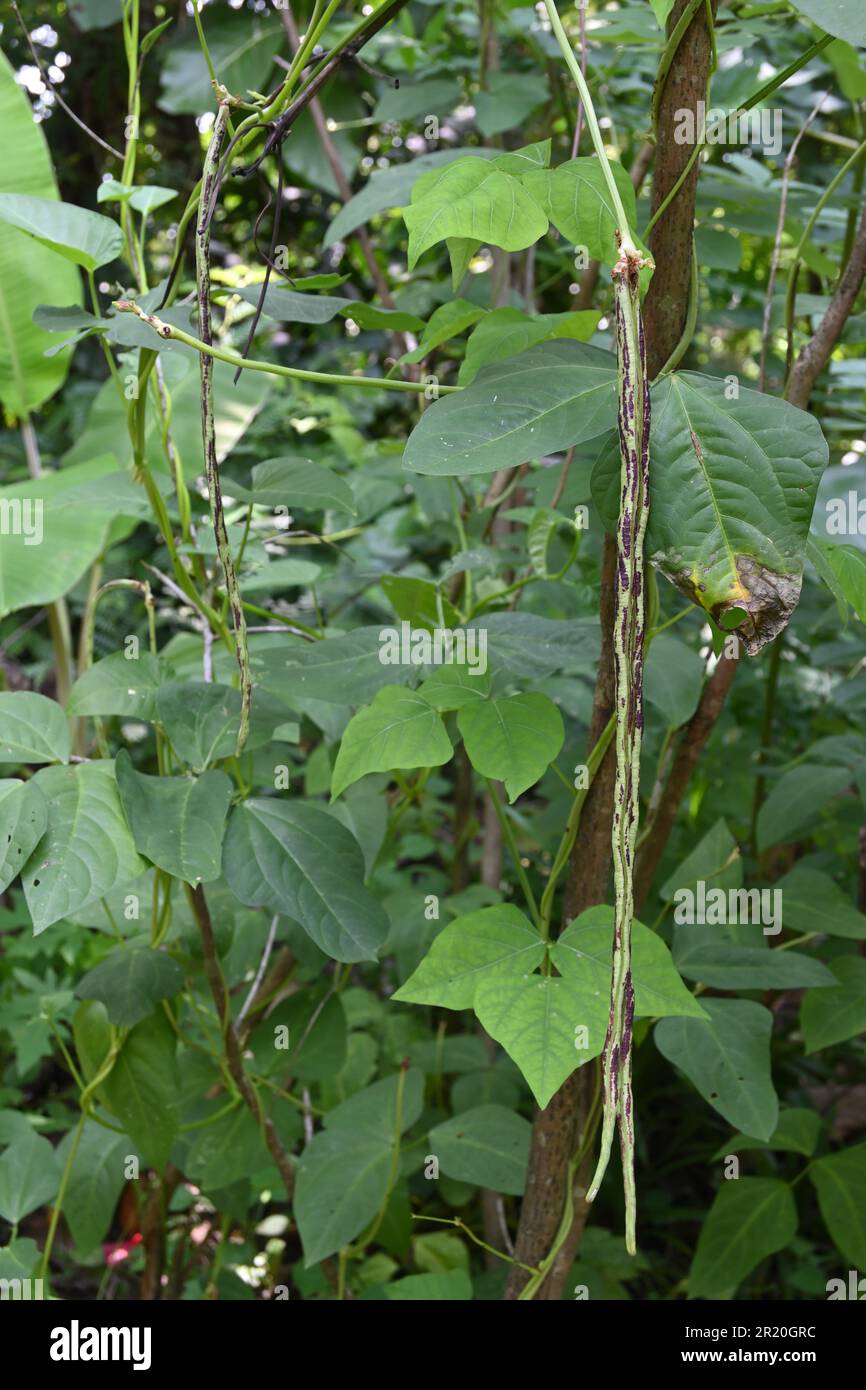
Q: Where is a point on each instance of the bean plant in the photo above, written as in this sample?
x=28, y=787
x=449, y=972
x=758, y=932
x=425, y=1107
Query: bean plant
x=382, y=386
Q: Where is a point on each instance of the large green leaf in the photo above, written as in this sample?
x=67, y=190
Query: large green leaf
x=715, y=858
x=585, y=951
x=225, y=1151
x=293, y=482
x=843, y=18
x=344, y=670
x=513, y=740
x=86, y=238
x=472, y=199
x=708, y=954
x=487, y=1146
x=29, y=1176
x=557, y=394
x=840, y=1179
x=506, y=332
x=750, y=1219
x=295, y=859
x=537, y=1018
x=177, y=822
x=812, y=902
x=242, y=49
x=575, y=197
x=23, y=818
x=343, y=1173
x=235, y=407
x=142, y=1088
x=131, y=982
x=507, y=99
x=29, y=274
x=829, y=1016
x=399, y=730
x=117, y=684
x=727, y=1059
x=674, y=678
x=495, y=940
x=793, y=801
x=391, y=188
x=847, y=567
x=315, y=1035
x=734, y=485
x=34, y=729
x=87, y=848
x=96, y=1180
x=70, y=531
x=797, y=1132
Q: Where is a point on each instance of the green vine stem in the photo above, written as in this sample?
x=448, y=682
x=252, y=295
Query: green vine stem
x=234, y=359
x=202, y=267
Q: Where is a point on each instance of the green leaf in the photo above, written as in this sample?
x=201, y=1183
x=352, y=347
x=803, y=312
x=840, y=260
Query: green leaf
x=708, y=954
x=23, y=819
x=314, y=1021
x=34, y=728
x=226, y=1151
x=585, y=952
x=29, y=1176
x=455, y=1286
x=87, y=848
x=506, y=332
x=242, y=49
x=131, y=982
x=452, y=687
x=674, y=679
x=96, y=1181
x=843, y=18
x=472, y=199
x=557, y=394
x=142, y=1088
x=830, y=1016
x=848, y=566
x=28, y=273
x=436, y=94
x=48, y=521
x=92, y=1033
x=733, y=492
x=536, y=1019
x=117, y=685
x=399, y=730
x=495, y=940
x=390, y=188
x=507, y=99
x=576, y=198
x=295, y=859
x=448, y=321
x=418, y=602
x=177, y=822
x=812, y=902
x=487, y=1146
x=793, y=801
x=201, y=719
x=288, y=306
x=86, y=238
x=341, y=1185
x=797, y=1132
x=513, y=740
x=727, y=1059
x=839, y=1181
x=715, y=860
x=750, y=1219
x=338, y=670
